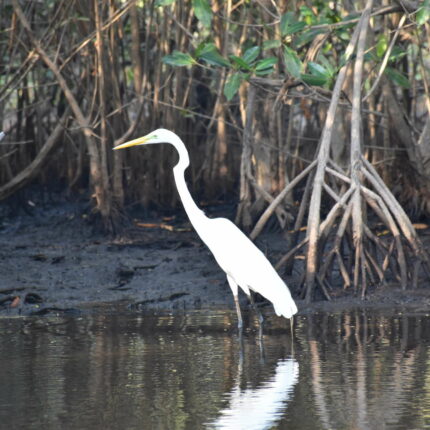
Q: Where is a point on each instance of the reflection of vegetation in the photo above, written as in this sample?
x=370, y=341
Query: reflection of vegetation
x=379, y=380
x=357, y=370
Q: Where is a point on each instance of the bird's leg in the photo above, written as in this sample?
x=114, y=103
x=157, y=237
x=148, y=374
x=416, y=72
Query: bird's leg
x=260, y=327
x=257, y=311
x=239, y=313
x=235, y=290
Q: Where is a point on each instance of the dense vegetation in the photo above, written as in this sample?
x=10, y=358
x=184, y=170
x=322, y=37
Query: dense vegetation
x=323, y=103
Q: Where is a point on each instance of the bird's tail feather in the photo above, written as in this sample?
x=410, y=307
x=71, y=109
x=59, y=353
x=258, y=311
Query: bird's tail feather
x=285, y=306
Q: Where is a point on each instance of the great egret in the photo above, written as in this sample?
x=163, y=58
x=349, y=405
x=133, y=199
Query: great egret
x=244, y=264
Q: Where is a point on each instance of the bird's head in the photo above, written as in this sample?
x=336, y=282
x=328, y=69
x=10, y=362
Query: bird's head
x=160, y=135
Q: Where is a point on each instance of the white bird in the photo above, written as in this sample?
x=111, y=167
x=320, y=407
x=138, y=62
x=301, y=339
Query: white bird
x=244, y=264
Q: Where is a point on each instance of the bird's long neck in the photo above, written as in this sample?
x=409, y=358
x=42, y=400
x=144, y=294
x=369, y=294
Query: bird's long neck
x=194, y=213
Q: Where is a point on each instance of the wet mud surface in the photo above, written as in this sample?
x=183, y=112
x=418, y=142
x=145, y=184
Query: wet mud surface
x=52, y=261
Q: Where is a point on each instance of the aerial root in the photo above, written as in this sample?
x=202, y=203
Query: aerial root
x=370, y=258
x=356, y=233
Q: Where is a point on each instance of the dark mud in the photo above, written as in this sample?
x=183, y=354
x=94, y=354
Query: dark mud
x=51, y=261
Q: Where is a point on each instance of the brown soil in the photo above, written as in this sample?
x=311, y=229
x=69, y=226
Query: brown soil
x=52, y=261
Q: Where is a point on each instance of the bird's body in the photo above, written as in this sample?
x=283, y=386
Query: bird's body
x=244, y=264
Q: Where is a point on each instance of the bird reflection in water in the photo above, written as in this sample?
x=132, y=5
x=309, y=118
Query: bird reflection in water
x=259, y=408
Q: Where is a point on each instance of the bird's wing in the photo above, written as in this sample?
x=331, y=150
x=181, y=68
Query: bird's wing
x=246, y=264
x=237, y=255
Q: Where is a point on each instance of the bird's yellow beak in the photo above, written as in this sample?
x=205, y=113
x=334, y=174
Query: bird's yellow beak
x=138, y=141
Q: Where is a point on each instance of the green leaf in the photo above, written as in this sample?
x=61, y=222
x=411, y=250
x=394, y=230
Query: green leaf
x=209, y=53
x=313, y=80
x=204, y=48
x=343, y=35
x=178, y=58
x=129, y=73
x=307, y=36
x=286, y=19
x=232, y=85
x=292, y=62
x=397, y=77
x=328, y=66
x=381, y=45
x=266, y=63
x=423, y=13
x=161, y=3
x=203, y=12
x=271, y=44
x=397, y=53
x=251, y=54
x=240, y=62
x=290, y=25
x=265, y=72
x=296, y=27
x=318, y=70
x=307, y=15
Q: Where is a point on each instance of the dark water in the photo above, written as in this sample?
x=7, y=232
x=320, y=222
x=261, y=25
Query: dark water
x=358, y=370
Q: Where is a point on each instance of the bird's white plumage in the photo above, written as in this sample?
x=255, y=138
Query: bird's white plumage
x=244, y=264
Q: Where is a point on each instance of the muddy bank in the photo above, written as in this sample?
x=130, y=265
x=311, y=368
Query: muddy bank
x=52, y=261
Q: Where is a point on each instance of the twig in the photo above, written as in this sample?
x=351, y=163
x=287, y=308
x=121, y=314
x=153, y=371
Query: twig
x=386, y=58
x=271, y=208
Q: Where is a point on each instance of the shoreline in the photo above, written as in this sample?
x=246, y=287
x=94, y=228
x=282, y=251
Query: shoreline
x=53, y=260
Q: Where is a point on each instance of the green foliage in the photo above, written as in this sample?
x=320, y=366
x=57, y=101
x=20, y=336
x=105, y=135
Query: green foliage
x=343, y=34
x=161, y=3
x=247, y=63
x=397, y=77
x=307, y=36
x=251, y=54
x=178, y=59
x=203, y=12
x=381, y=45
x=290, y=25
x=331, y=71
x=423, y=13
x=209, y=53
x=318, y=70
x=232, y=85
x=307, y=15
x=289, y=41
x=271, y=44
x=397, y=53
x=265, y=66
x=292, y=62
x=313, y=79
x=240, y=63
